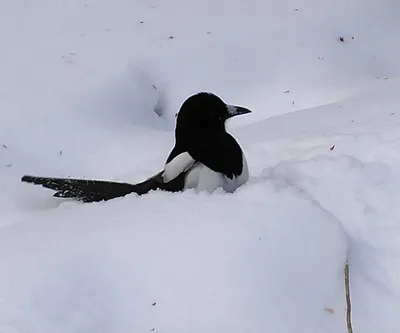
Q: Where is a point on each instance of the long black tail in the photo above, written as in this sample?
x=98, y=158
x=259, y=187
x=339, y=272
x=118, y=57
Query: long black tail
x=102, y=190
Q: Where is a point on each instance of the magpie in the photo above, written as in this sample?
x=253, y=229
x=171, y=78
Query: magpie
x=209, y=156
x=205, y=157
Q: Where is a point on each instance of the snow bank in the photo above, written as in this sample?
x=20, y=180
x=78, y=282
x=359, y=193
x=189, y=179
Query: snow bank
x=79, y=85
x=221, y=262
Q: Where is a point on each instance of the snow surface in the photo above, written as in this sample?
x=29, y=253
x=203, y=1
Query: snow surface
x=78, y=86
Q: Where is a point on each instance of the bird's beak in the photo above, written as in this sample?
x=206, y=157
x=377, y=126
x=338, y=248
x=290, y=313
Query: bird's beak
x=234, y=110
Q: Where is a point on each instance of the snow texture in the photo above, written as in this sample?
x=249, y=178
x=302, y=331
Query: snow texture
x=90, y=89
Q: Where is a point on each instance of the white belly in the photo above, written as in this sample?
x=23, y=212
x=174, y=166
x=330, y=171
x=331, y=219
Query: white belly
x=202, y=178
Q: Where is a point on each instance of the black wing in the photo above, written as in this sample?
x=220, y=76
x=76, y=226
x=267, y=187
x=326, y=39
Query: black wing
x=220, y=153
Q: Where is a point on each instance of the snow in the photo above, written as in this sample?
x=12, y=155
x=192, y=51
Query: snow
x=79, y=84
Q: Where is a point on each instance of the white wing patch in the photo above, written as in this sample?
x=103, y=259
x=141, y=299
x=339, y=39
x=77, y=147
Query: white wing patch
x=179, y=164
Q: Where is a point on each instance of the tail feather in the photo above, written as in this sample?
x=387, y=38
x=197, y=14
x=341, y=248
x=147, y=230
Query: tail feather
x=101, y=190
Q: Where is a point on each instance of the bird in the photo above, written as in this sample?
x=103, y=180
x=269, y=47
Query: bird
x=204, y=150
x=205, y=157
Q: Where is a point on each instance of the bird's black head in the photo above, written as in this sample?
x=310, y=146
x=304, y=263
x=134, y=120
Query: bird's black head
x=205, y=112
